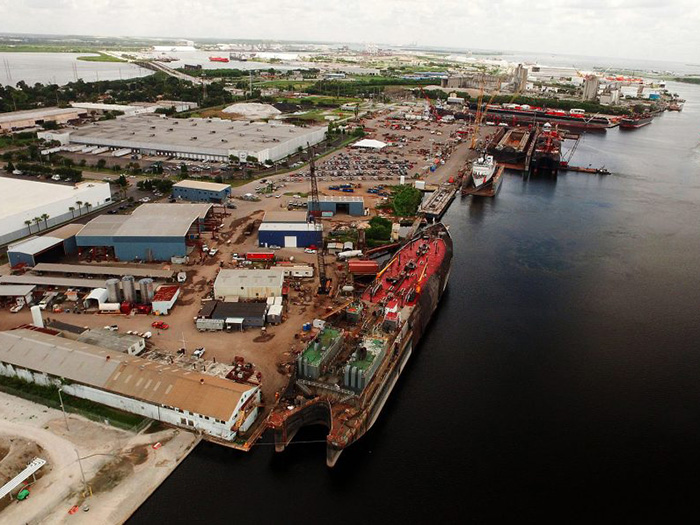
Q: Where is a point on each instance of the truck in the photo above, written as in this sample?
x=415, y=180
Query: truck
x=209, y=325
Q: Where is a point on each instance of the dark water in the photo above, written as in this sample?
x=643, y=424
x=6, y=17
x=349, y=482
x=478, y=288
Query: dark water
x=560, y=377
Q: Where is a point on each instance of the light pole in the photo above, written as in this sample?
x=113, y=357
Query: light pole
x=82, y=473
x=60, y=397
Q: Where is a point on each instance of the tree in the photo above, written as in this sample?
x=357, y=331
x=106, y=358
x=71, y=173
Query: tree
x=10, y=167
x=379, y=229
x=406, y=200
x=183, y=170
x=45, y=216
x=80, y=206
x=121, y=181
x=88, y=206
x=37, y=220
x=71, y=209
x=101, y=164
x=29, y=225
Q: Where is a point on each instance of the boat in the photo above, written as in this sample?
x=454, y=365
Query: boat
x=516, y=114
x=546, y=155
x=218, y=59
x=636, y=121
x=676, y=105
x=347, y=371
x=482, y=171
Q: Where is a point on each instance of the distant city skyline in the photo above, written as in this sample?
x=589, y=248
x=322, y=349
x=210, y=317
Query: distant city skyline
x=634, y=29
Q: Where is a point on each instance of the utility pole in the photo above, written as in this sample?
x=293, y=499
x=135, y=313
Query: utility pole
x=60, y=397
x=82, y=472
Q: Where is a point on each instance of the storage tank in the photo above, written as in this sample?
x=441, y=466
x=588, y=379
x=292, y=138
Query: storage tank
x=129, y=288
x=113, y=292
x=147, y=290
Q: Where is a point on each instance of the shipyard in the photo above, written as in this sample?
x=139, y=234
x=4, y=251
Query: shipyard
x=212, y=257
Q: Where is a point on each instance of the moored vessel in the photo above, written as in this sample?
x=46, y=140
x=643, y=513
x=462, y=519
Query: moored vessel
x=347, y=372
x=636, y=121
x=218, y=59
x=546, y=155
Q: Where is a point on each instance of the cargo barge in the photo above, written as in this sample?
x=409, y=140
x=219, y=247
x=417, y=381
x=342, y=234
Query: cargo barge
x=347, y=372
x=636, y=121
x=437, y=203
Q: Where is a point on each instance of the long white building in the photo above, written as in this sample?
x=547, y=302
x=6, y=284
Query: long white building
x=194, y=138
x=219, y=408
x=24, y=200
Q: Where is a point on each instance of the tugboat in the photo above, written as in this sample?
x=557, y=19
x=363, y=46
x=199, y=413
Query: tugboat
x=546, y=156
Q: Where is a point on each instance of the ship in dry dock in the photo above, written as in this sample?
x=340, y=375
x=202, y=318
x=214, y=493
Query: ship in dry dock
x=546, y=155
x=347, y=372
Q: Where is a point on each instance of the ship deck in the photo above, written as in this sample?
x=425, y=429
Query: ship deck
x=410, y=267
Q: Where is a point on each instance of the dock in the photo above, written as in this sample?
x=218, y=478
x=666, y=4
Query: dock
x=437, y=203
x=488, y=190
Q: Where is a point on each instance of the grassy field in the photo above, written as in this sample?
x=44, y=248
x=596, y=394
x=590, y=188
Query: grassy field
x=101, y=57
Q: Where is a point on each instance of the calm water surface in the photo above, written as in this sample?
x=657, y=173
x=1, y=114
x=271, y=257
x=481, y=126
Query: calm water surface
x=560, y=377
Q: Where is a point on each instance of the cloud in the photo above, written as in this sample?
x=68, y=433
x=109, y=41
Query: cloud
x=644, y=29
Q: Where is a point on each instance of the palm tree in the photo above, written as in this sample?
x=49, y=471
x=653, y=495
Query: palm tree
x=37, y=220
x=29, y=225
x=71, y=209
x=80, y=204
x=87, y=207
x=45, y=216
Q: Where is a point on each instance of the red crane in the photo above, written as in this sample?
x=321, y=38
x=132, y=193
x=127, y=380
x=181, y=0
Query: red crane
x=433, y=109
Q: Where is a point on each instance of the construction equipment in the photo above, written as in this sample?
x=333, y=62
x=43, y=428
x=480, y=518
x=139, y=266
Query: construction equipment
x=314, y=216
x=433, y=110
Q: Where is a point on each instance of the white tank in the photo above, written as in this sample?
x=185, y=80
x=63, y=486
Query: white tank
x=113, y=292
x=147, y=290
x=129, y=288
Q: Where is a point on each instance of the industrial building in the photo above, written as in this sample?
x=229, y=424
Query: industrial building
x=238, y=316
x=199, y=191
x=30, y=118
x=153, y=232
x=196, y=138
x=339, y=204
x=17, y=293
x=126, y=343
x=591, y=84
x=248, y=284
x=289, y=230
x=44, y=248
x=136, y=108
x=219, y=408
x=23, y=204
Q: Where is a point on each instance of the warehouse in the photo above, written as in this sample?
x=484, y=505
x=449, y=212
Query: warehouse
x=50, y=247
x=238, y=316
x=17, y=293
x=248, y=284
x=24, y=203
x=16, y=120
x=126, y=343
x=290, y=235
x=219, y=408
x=198, y=138
x=339, y=204
x=102, y=271
x=198, y=191
x=164, y=299
x=153, y=232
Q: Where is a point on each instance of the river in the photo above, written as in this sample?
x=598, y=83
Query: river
x=559, y=377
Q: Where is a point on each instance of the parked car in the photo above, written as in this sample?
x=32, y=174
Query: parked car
x=112, y=328
x=16, y=308
x=213, y=251
x=198, y=352
x=160, y=325
x=309, y=250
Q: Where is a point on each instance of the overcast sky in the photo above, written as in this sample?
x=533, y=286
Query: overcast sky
x=639, y=29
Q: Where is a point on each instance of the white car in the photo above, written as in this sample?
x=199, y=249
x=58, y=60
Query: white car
x=147, y=335
x=309, y=250
x=112, y=328
x=213, y=251
x=16, y=308
x=199, y=352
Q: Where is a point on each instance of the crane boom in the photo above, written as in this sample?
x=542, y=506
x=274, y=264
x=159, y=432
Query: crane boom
x=314, y=216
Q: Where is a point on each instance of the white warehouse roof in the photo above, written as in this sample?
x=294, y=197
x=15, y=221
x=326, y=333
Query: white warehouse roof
x=201, y=185
x=370, y=143
x=290, y=226
x=16, y=290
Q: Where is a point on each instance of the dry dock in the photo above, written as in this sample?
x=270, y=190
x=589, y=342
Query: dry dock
x=488, y=190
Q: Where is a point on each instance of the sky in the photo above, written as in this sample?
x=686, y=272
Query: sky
x=636, y=29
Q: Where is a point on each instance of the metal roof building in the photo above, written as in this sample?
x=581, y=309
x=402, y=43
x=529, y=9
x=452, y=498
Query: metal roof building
x=290, y=234
x=153, y=232
x=61, y=282
x=48, y=247
x=199, y=138
x=164, y=392
x=200, y=191
x=335, y=204
x=129, y=344
x=248, y=284
x=33, y=117
x=103, y=271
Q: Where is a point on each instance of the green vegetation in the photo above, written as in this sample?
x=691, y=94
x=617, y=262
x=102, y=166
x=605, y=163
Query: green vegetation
x=687, y=80
x=405, y=200
x=379, y=231
x=144, y=89
x=49, y=396
x=17, y=140
x=161, y=185
x=101, y=57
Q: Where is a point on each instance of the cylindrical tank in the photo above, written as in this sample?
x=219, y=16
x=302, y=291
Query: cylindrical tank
x=129, y=288
x=147, y=290
x=113, y=293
